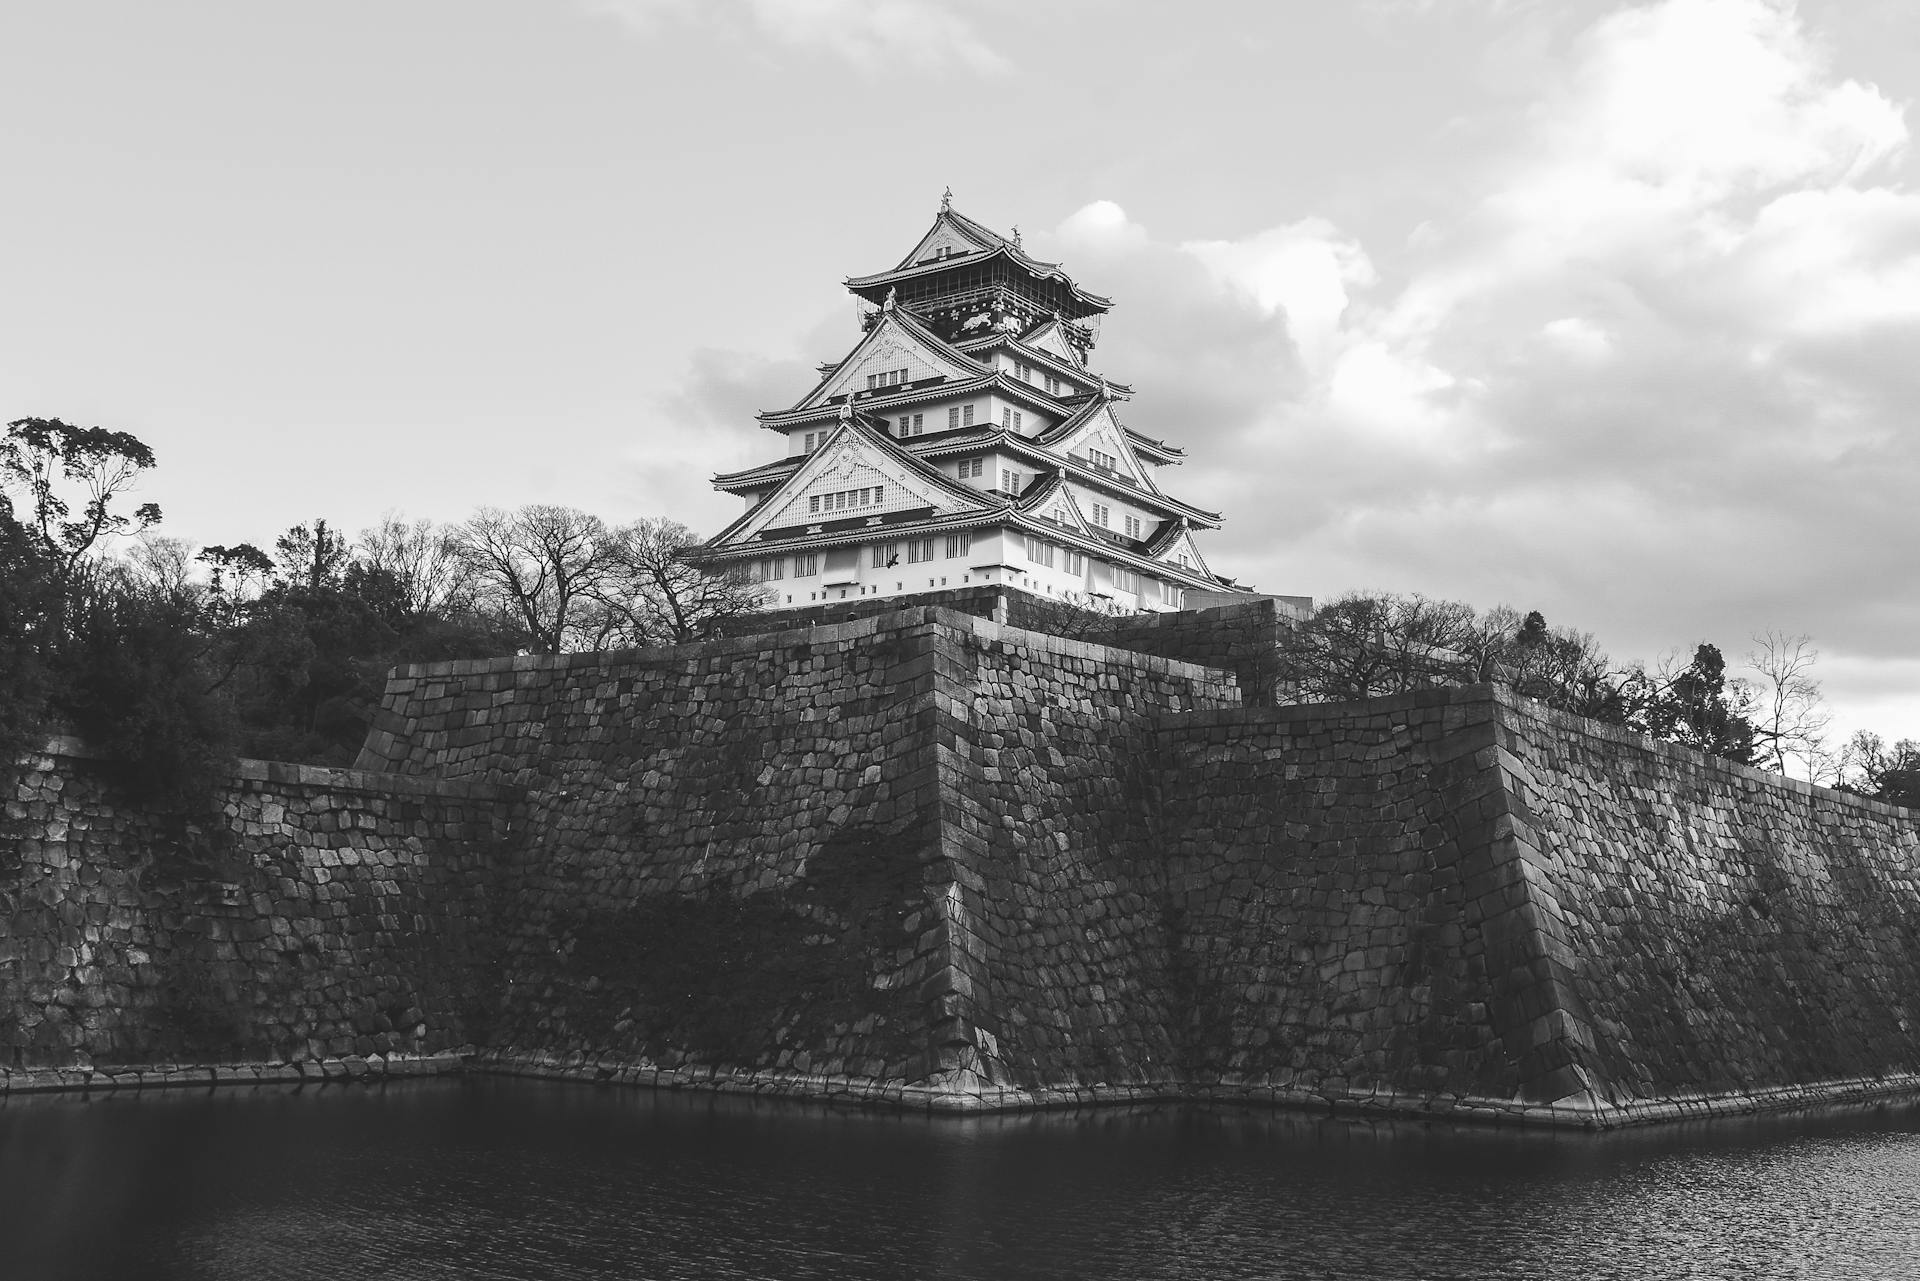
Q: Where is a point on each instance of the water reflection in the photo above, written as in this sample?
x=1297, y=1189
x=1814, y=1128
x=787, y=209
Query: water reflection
x=492, y=1178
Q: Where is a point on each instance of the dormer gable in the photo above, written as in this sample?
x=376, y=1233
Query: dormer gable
x=1174, y=546
x=897, y=351
x=948, y=237
x=1096, y=438
x=1052, y=500
x=1051, y=337
x=856, y=473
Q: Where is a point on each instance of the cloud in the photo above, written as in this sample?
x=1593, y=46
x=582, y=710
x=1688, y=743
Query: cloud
x=703, y=426
x=1654, y=376
x=878, y=36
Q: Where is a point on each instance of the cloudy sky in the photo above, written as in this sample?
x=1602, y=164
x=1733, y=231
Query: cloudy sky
x=1606, y=309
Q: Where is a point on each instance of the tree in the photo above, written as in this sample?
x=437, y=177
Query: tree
x=27, y=610
x=1890, y=774
x=423, y=560
x=1557, y=666
x=1696, y=706
x=652, y=596
x=311, y=557
x=1361, y=645
x=1789, y=716
x=549, y=566
x=53, y=466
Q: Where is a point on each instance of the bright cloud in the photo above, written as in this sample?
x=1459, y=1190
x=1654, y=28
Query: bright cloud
x=876, y=35
x=1659, y=369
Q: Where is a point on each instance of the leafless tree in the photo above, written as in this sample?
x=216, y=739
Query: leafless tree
x=1364, y=644
x=422, y=560
x=1788, y=714
x=546, y=565
x=163, y=567
x=653, y=596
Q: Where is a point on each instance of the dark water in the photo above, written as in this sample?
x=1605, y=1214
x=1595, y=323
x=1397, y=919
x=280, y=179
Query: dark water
x=495, y=1178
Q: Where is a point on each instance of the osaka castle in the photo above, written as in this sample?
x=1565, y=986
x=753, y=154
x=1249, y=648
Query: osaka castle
x=966, y=440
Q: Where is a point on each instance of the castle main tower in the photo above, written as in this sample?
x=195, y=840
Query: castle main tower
x=965, y=440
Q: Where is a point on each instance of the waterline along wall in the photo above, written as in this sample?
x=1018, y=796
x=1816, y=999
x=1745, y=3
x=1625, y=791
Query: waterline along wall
x=929, y=859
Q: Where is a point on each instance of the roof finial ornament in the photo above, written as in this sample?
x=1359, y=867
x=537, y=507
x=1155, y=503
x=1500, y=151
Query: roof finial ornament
x=1104, y=394
x=888, y=304
x=846, y=407
x=946, y=201
x=1016, y=235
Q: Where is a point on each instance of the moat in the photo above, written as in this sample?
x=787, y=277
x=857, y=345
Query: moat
x=495, y=1178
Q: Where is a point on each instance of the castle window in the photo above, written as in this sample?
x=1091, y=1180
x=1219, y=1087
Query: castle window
x=842, y=499
x=1040, y=551
x=807, y=444
x=1101, y=458
x=1054, y=385
x=1133, y=527
x=1012, y=481
x=1125, y=580
x=918, y=550
x=1023, y=371
x=806, y=565
x=968, y=468
x=1010, y=418
x=1076, y=563
x=1102, y=516
x=885, y=555
x=776, y=569
x=953, y=417
x=959, y=544
x=919, y=424
x=904, y=421
x=966, y=415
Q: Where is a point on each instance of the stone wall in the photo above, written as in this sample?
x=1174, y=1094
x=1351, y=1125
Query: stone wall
x=778, y=856
x=334, y=915
x=931, y=860
x=1460, y=901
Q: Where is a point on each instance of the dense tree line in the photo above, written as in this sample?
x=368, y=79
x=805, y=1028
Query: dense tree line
x=1366, y=644
x=175, y=658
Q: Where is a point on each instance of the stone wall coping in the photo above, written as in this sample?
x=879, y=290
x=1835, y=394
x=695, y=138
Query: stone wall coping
x=1504, y=696
x=825, y=633
x=288, y=774
x=1094, y=648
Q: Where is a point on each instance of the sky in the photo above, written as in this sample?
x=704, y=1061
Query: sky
x=1609, y=310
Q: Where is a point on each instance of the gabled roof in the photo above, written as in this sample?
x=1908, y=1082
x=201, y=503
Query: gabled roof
x=976, y=243
x=1095, y=422
x=1050, y=338
x=1175, y=537
x=896, y=326
x=1052, y=495
x=855, y=445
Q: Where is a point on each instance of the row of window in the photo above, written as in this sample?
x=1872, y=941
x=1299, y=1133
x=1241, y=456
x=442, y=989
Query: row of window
x=845, y=499
x=773, y=569
x=920, y=550
x=917, y=551
x=1055, y=387
x=1101, y=458
x=1051, y=555
x=912, y=425
x=884, y=556
x=891, y=378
